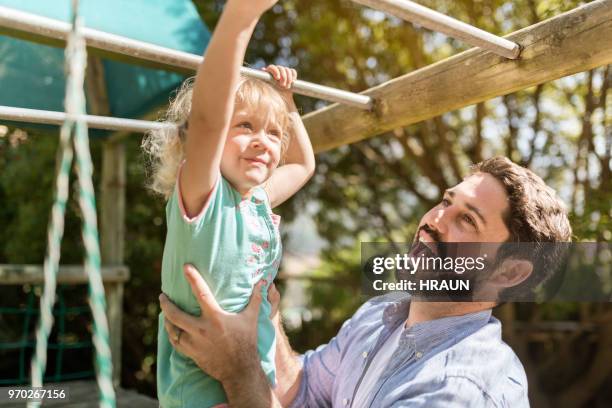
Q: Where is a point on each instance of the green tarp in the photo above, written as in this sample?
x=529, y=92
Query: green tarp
x=32, y=75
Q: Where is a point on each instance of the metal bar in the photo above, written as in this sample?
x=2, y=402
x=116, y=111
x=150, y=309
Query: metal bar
x=12, y=274
x=317, y=91
x=95, y=122
x=442, y=23
x=31, y=23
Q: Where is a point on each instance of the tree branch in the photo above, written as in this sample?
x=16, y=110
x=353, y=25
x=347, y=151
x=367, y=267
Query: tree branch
x=536, y=125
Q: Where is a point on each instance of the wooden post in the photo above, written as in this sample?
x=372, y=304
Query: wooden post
x=112, y=229
x=112, y=209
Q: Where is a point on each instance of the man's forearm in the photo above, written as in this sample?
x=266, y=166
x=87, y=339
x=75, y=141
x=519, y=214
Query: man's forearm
x=250, y=390
x=288, y=367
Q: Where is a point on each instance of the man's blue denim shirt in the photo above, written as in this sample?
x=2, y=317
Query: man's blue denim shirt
x=458, y=361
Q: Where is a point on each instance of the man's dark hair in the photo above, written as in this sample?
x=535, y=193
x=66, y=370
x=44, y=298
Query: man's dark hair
x=536, y=216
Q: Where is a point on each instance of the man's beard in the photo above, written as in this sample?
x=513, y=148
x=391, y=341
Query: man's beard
x=435, y=254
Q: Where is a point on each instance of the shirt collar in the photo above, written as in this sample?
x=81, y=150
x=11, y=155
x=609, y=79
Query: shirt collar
x=257, y=196
x=425, y=336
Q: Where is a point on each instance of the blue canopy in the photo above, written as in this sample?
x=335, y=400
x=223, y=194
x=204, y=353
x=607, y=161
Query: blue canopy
x=32, y=75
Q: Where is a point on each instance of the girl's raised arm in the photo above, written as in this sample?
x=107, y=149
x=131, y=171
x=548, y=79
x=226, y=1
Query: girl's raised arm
x=299, y=164
x=213, y=99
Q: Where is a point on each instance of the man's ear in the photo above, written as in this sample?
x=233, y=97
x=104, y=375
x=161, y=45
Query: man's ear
x=511, y=272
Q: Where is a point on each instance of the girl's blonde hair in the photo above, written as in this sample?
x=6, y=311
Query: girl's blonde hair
x=164, y=148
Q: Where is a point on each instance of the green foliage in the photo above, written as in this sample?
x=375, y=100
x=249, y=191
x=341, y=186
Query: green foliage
x=145, y=235
x=335, y=293
x=26, y=188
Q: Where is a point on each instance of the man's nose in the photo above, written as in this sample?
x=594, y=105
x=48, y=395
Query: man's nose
x=441, y=219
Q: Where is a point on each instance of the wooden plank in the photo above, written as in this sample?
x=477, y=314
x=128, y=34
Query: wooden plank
x=576, y=41
x=112, y=215
x=68, y=274
x=112, y=203
x=114, y=314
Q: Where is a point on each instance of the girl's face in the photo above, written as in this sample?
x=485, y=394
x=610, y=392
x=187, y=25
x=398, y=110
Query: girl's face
x=252, y=148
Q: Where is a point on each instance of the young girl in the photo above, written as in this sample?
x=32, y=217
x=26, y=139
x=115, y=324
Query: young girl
x=219, y=173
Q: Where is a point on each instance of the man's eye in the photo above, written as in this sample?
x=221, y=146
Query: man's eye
x=469, y=220
x=245, y=125
x=275, y=133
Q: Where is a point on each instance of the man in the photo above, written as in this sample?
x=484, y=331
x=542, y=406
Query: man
x=394, y=352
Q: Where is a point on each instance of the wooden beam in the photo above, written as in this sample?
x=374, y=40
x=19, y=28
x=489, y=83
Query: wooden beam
x=576, y=41
x=68, y=274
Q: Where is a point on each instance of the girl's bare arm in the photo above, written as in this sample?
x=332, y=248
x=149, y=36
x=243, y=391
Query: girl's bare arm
x=213, y=99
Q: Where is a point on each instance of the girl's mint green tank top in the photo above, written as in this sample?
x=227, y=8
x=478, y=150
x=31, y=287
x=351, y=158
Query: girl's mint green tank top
x=234, y=243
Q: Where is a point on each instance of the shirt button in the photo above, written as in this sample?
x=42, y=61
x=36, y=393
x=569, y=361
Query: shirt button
x=364, y=354
x=419, y=354
x=345, y=401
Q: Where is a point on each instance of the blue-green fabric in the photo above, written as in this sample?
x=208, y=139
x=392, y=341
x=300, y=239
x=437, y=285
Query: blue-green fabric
x=234, y=243
x=32, y=75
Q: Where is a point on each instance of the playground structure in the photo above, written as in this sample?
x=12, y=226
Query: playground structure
x=572, y=42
